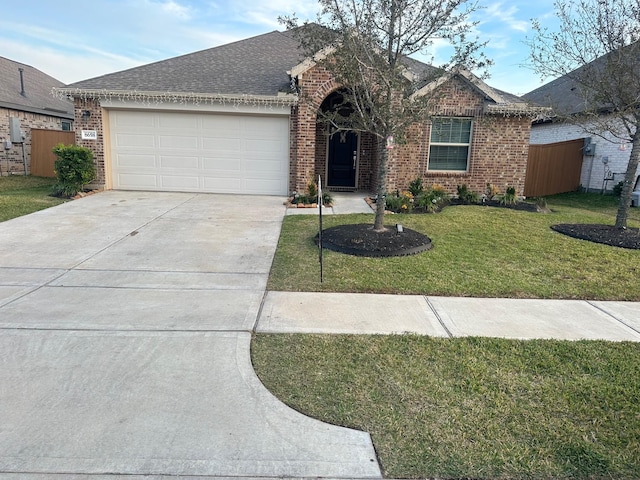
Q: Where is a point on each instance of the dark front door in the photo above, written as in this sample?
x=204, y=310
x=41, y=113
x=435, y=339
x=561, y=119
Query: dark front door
x=343, y=158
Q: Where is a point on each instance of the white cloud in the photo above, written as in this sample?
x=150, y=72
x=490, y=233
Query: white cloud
x=267, y=13
x=183, y=12
x=506, y=15
x=68, y=67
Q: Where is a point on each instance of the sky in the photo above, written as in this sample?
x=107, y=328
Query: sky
x=73, y=40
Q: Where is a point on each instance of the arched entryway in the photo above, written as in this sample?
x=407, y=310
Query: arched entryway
x=342, y=145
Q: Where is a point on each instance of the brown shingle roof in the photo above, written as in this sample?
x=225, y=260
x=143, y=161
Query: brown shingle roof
x=37, y=96
x=255, y=66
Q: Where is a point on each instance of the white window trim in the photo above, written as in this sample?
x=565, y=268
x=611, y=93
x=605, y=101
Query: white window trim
x=439, y=144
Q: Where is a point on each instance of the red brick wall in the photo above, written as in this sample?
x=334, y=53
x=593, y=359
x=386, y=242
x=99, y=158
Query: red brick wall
x=94, y=122
x=12, y=161
x=499, y=146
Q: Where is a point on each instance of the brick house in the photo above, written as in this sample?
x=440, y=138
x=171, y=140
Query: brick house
x=242, y=118
x=26, y=103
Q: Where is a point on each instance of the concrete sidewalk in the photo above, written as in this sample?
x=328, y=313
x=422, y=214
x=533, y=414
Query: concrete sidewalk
x=354, y=313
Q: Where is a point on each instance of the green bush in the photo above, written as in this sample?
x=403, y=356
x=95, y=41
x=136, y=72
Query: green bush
x=466, y=195
x=432, y=200
x=327, y=199
x=492, y=191
x=617, y=189
x=74, y=169
x=509, y=197
x=311, y=195
x=399, y=202
x=415, y=187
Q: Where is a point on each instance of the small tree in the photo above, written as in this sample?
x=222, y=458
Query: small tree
x=74, y=169
x=597, y=48
x=365, y=45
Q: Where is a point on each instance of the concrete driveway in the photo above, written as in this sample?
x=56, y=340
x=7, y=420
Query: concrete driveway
x=125, y=327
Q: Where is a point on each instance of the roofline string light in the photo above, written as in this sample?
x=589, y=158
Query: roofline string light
x=159, y=98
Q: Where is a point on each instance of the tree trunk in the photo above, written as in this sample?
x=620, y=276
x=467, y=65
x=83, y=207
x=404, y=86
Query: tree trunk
x=378, y=224
x=629, y=181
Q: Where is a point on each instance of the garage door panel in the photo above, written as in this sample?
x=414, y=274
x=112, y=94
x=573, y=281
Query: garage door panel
x=125, y=140
x=222, y=144
x=158, y=150
x=179, y=182
x=222, y=185
x=135, y=161
x=178, y=141
x=134, y=120
x=256, y=186
x=222, y=164
x=138, y=181
x=263, y=167
x=179, y=163
x=263, y=125
x=267, y=146
x=228, y=125
x=178, y=121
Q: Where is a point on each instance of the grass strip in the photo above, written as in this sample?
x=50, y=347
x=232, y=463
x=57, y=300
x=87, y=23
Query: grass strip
x=469, y=407
x=20, y=195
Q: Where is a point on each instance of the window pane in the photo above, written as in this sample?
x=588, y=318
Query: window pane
x=448, y=157
x=451, y=130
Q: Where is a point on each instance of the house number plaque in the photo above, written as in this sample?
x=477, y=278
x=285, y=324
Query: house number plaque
x=89, y=135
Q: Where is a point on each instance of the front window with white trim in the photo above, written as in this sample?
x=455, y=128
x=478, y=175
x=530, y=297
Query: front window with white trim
x=450, y=144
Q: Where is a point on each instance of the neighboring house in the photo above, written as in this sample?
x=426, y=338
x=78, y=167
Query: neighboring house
x=605, y=160
x=26, y=103
x=242, y=118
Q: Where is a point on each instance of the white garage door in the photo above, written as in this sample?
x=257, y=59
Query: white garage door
x=198, y=152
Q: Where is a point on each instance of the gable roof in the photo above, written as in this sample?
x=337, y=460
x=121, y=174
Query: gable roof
x=255, y=66
x=259, y=67
x=561, y=94
x=497, y=101
x=37, y=96
x=564, y=93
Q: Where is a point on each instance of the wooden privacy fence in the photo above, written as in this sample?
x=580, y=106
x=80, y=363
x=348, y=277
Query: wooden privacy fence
x=42, y=141
x=553, y=168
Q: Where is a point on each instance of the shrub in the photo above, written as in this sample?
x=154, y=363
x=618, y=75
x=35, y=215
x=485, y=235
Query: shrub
x=400, y=202
x=432, y=201
x=509, y=197
x=617, y=189
x=466, y=195
x=439, y=190
x=415, y=187
x=311, y=195
x=74, y=169
x=312, y=190
x=492, y=191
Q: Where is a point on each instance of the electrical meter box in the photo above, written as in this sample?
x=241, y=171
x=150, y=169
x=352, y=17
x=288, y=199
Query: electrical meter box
x=589, y=148
x=15, y=133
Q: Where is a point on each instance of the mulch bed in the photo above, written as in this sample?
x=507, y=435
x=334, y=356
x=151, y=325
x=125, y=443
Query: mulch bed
x=361, y=240
x=605, y=234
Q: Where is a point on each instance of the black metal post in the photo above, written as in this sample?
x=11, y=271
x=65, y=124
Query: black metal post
x=320, y=224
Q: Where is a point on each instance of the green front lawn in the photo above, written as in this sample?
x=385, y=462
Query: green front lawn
x=469, y=407
x=478, y=251
x=20, y=195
